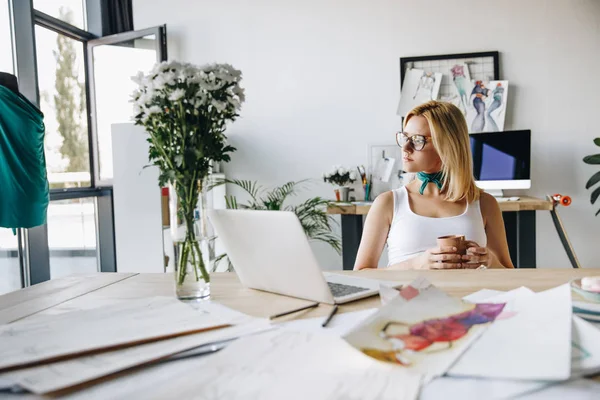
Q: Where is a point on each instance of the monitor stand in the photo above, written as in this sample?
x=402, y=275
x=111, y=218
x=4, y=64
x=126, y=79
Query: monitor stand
x=496, y=192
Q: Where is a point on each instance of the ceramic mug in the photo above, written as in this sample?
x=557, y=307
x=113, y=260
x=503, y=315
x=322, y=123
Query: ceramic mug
x=457, y=241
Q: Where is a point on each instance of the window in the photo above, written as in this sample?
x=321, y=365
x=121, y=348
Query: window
x=6, y=50
x=113, y=88
x=10, y=266
x=62, y=88
x=70, y=11
x=72, y=237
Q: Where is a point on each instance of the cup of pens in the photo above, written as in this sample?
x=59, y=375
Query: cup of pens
x=366, y=183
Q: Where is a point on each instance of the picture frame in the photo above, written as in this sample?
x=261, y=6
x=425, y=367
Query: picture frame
x=483, y=66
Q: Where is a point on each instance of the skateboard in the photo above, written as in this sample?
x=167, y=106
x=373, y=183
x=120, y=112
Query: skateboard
x=558, y=199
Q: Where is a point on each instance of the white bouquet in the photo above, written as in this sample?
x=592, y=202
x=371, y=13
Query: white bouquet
x=339, y=176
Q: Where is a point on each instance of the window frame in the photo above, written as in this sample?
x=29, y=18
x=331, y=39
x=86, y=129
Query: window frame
x=33, y=243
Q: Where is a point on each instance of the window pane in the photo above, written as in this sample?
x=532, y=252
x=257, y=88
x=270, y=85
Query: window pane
x=72, y=237
x=113, y=87
x=10, y=268
x=6, y=51
x=62, y=100
x=71, y=11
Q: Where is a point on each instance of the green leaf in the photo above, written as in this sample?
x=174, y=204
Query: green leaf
x=250, y=187
x=593, y=159
x=593, y=180
x=595, y=195
x=597, y=141
x=231, y=202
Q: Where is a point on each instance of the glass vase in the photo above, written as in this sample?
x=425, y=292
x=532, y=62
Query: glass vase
x=193, y=239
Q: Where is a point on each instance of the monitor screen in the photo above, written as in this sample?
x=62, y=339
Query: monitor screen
x=501, y=160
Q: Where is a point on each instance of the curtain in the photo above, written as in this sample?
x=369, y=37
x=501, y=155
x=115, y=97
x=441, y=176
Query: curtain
x=118, y=16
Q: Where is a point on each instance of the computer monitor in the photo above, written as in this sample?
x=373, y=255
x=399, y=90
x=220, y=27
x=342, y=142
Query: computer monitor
x=501, y=160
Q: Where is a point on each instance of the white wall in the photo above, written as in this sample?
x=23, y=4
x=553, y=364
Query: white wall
x=322, y=80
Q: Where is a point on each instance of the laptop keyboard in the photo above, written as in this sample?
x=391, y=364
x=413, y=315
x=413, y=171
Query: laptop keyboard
x=340, y=290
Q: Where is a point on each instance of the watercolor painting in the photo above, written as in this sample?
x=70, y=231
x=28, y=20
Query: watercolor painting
x=486, y=109
x=418, y=87
x=422, y=328
x=460, y=86
x=430, y=335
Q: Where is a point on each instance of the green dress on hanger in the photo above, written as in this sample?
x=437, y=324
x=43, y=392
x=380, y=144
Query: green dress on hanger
x=23, y=179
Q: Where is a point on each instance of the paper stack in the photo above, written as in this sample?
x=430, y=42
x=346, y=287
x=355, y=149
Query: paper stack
x=56, y=352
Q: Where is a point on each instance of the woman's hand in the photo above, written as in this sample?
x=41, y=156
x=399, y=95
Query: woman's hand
x=476, y=256
x=439, y=258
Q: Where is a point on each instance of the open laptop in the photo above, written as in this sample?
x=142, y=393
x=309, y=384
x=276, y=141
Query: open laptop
x=269, y=251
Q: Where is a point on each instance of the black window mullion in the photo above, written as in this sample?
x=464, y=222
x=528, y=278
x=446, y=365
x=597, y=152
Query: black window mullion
x=37, y=261
x=105, y=233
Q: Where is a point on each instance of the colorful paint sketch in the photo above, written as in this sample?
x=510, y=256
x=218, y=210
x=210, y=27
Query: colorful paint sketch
x=486, y=109
x=430, y=335
x=423, y=329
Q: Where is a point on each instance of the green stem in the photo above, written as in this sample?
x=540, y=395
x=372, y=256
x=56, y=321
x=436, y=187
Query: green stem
x=203, y=271
x=183, y=262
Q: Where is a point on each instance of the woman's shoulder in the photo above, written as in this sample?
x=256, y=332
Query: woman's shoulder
x=385, y=199
x=383, y=205
x=488, y=203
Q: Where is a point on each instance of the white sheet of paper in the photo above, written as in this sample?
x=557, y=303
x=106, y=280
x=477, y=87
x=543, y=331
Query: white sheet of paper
x=272, y=365
x=477, y=388
x=64, y=374
x=28, y=342
x=418, y=87
x=298, y=365
x=339, y=325
x=585, y=358
x=580, y=389
x=533, y=344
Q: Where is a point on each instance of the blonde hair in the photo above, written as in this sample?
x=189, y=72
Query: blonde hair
x=450, y=137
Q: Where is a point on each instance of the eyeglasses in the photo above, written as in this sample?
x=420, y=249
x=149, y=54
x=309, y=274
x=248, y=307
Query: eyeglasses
x=417, y=141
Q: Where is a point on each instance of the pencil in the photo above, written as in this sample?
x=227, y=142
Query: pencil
x=293, y=311
x=331, y=314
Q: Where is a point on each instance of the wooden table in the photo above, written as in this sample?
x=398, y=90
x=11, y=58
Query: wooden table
x=519, y=221
x=89, y=291
x=82, y=292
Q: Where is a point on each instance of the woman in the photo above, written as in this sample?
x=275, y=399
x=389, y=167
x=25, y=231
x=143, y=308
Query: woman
x=443, y=200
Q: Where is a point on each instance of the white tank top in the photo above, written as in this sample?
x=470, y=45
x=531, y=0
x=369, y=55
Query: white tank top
x=411, y=234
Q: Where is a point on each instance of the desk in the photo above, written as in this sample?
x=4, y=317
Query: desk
x=93, y=290
x=519, y=222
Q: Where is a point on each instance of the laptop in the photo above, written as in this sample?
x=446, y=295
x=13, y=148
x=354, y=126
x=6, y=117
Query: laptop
x=270, y=251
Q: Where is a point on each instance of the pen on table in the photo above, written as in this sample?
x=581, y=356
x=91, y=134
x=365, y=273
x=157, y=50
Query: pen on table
x=293, y=311
x=331, y=314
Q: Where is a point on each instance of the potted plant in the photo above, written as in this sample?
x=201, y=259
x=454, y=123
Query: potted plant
x=185, y=110
x=312, y=213
x=594, y=160
x=340, y=177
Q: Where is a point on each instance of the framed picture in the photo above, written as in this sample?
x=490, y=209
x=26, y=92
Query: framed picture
x=457, y=78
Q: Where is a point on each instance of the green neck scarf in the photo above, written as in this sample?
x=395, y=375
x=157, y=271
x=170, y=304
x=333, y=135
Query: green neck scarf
x=437, y=178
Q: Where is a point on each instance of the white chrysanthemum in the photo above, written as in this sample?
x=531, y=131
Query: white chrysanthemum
x=138, y=78
x=137, y=109
x=177, y=95
x=341, y=170
x=154, y=110
x=219, y=105
x=352, y=175
x=170, y=78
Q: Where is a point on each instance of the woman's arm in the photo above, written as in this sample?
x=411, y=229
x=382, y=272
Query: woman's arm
x=495, y=232
x=375, y=232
